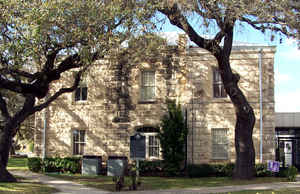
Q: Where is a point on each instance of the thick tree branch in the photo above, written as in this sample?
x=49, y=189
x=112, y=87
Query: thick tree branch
x=177, y=19
x=5, y=71
x=60, y=92
x=3, y=108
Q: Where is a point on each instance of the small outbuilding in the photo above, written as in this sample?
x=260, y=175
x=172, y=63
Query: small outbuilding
x=288, y=138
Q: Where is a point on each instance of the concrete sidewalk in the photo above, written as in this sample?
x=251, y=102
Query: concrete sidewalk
x=68, y=187
x=64, y=187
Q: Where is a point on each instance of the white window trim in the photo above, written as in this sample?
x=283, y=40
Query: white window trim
x=147, y=146
x=141, y=85
x=73, y=143
x=227, y=144
x=87, y=93
x=213, y=84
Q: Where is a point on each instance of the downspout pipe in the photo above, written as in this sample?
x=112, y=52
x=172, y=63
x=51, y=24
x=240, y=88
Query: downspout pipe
x=260, y=105
x=44, y=133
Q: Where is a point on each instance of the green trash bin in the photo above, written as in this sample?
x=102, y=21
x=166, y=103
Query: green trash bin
x=91, y=165
x=117, y=165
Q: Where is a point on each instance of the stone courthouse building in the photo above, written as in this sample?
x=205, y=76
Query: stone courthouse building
x=118, y=98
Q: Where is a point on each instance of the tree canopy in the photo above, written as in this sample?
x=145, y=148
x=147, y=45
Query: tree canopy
x=41, y=39
x=279, y=18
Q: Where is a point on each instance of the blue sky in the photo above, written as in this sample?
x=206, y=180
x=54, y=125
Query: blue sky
x=286, y=65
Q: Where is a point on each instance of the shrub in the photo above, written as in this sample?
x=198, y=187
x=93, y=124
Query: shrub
x=151, y=168
x=64, y=165
x=228, y=169
x=200, y=170
x=34, y=164
x=223, y=170
x=262, y=170
x=291, y=173
x=172, y=139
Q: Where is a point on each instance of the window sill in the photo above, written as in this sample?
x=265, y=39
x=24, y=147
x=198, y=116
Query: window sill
x=147, y=102
x=219, y=159
x=80, y=102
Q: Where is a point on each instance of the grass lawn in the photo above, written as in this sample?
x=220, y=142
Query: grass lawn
x=155, y=183
x=23, y=186
x=280, y=191
x=17, y=164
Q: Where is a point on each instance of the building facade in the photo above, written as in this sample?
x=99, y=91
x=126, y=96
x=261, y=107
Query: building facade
x=119, y=97
x=288, y=138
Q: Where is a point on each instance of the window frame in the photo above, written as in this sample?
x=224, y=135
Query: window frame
x=216, y=144
x=154, y=146
x=144, y=87
x=80, y=88
x=81, y=144
x=218, y=84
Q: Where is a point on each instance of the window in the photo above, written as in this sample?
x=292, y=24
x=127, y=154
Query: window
x=219, y=144
x=152, y=142
x=78, y=142
x=81, y=93
x=218, y=87
x=148, y=85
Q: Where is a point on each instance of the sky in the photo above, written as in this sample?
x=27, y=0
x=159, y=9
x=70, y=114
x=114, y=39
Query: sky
x=286, y=65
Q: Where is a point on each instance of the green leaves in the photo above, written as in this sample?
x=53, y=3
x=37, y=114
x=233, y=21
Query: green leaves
x=173, y=138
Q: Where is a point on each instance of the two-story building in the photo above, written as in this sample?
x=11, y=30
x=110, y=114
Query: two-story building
x=119, y=97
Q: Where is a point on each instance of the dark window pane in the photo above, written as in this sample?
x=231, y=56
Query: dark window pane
x=77, y=94
x=216, y=91
x=84, y=93
x=218, y=87
x=82, y=134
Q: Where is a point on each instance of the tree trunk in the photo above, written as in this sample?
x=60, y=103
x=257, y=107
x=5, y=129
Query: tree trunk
x=245, y=154
x=5, y=144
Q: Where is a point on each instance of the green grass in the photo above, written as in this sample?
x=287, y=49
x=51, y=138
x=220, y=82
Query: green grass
x=280, y=191
x=17, y=164
x=156, y=183
x=23, y=186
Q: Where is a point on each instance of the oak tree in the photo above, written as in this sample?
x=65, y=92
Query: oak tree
x=40, y=40
x=277, y=17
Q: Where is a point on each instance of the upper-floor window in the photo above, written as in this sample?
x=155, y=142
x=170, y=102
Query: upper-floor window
x=147, y=85
x=81, y=93
x=78, y=142
x=219, y=144
x=218, y=87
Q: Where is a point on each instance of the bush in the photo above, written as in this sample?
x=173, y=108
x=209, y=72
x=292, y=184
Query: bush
x=64, y=165
x=34, y=164
x=262, y=170
x=291, y=173
x=200, y=170
x=172, y=139
x=151, y=168
x=228, y=169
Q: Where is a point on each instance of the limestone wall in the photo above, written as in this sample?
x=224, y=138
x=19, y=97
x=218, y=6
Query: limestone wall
x=113, y=110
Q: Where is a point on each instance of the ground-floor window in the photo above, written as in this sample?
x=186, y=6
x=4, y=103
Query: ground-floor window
x=152, y=142
x=78, y=141
x=219, y=143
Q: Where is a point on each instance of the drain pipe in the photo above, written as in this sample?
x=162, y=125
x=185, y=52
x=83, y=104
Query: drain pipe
x=44, y=133
x=260, y=105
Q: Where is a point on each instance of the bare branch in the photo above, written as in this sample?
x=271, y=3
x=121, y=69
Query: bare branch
x=263, y=25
